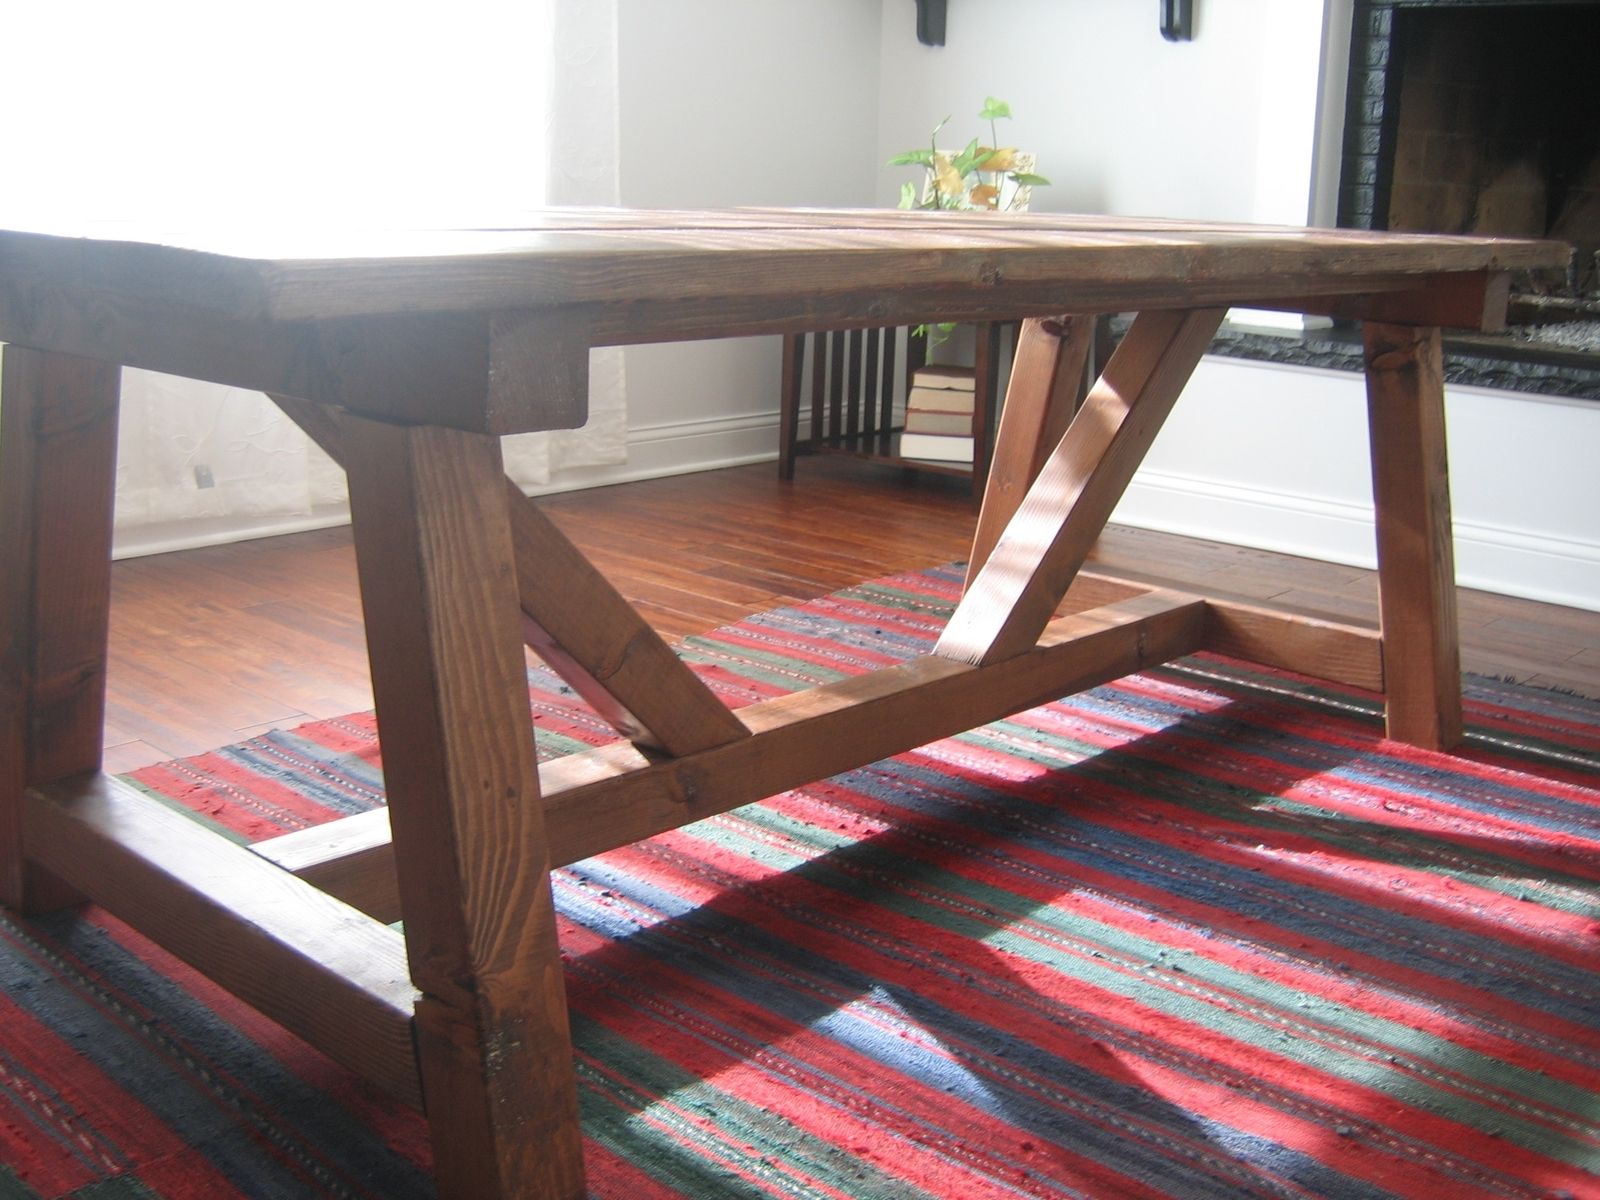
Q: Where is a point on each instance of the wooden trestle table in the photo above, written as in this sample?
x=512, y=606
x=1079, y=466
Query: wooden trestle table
x=406, y=354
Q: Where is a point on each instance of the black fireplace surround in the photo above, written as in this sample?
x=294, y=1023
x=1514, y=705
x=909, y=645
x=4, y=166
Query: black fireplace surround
x=1566, y=113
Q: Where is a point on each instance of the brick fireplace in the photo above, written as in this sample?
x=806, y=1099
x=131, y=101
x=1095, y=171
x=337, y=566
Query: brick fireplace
x=1471, y=116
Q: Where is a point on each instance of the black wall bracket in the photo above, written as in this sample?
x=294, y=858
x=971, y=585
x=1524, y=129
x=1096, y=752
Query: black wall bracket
x=1177, y=20
x=930, y=22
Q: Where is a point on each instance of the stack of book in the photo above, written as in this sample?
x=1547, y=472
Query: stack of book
x=939, y=415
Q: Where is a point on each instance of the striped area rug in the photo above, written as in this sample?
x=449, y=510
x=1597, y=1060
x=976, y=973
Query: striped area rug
x=1198, y=934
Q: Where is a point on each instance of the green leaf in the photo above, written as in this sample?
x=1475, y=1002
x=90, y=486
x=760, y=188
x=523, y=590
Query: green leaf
x=1028, y=180
x=966, y=160
x=908, y=195
x=911, y=158
x=993, y=109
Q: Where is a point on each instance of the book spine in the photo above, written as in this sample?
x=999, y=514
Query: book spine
x=939, y=447
x=960, y=379
x=923, y=420
x=939, y=400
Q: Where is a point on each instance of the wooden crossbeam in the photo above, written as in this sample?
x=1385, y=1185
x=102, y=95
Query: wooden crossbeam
x=1024, y=578
x=613, y=795
x=309, y=961
x=583, y=628
x=1343, y=652
x=1475, y=300
x=351, y=857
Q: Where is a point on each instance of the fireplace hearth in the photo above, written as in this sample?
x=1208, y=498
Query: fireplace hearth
x=1472, y=116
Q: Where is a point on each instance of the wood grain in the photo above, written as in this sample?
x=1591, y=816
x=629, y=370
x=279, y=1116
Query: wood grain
x=351, y=857
x=290, y=602
x=487, y=331
x=592, y=637
x=1055, y=527
x=1475, y=300
x=58, y=444
x=1337, y=650
x=314, y=964
x=580, y=256
x=438, y=583
x=422, y=325
x=1046, y=375
x=1416, y=557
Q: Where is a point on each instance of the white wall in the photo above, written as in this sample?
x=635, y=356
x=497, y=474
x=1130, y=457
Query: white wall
x=1121, y=120
x=1243, y=123
x=723, y=103
x=1276, y=457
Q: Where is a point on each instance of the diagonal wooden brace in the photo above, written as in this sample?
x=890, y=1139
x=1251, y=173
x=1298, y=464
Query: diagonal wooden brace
x=1012, y=597
x=1046, y=373
x=583, y=628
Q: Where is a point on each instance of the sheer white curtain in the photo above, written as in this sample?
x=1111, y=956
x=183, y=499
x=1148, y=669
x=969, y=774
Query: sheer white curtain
x=304, y=112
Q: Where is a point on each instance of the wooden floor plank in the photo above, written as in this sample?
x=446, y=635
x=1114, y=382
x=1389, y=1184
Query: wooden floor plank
x=877, y=521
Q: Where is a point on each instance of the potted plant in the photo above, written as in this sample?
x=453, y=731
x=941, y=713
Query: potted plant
x=985, y=178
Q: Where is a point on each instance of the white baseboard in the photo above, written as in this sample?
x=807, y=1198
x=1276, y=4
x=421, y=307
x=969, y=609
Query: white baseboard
x=673, y=448
x=1514, y=562
x=1509, y=561
x=680, y=448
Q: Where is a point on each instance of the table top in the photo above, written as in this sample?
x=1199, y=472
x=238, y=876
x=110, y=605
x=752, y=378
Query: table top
x=619, y=256
x=414, y=323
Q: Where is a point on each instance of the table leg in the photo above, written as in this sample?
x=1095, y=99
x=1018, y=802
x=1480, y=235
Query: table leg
x=794, y=346
x=1046, y=374
x=986, y=400
x=1416, y=560
x=438, y=585
x=58, y=448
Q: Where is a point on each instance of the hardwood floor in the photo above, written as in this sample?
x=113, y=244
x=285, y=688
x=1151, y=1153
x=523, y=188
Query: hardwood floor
x=211, y=646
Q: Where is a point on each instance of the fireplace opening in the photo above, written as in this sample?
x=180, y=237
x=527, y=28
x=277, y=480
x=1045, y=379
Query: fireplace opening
x=1484, y=118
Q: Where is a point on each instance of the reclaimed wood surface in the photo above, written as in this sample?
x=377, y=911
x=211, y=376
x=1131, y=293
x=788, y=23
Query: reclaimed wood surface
x=579, y=256
x=435, y=325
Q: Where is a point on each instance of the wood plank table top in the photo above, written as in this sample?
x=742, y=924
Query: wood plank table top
x=405, y=353
x=618, y=257
x=430, y=323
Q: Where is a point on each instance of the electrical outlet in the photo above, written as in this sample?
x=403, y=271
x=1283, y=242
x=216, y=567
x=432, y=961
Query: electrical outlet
x=203, y=477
